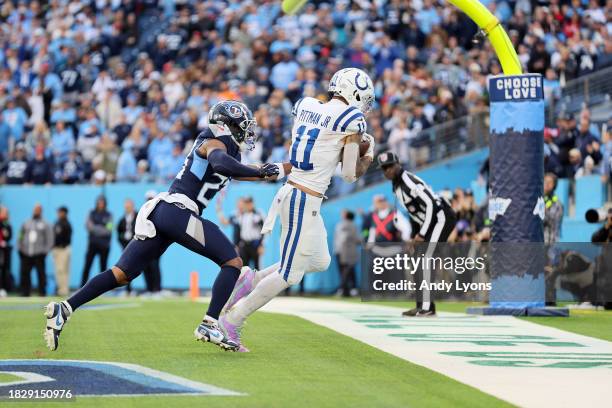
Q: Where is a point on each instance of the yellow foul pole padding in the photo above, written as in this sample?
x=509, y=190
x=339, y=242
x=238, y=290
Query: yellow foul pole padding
x=496, y=33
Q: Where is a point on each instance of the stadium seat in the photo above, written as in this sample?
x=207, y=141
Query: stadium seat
x=590, y=193
x=563, y=194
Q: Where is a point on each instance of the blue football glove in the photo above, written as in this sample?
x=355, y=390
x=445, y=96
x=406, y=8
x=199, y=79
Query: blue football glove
x=268, y=170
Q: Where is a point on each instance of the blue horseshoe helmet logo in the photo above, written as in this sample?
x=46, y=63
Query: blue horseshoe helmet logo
x=361, y=88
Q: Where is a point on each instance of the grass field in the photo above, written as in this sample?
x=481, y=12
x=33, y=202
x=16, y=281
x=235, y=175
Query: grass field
x=294, y=363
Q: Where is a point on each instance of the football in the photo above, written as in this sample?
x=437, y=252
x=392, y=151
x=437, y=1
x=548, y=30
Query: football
x=364, y=145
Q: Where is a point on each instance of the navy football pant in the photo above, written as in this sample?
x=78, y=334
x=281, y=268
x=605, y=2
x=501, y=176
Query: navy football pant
x=175, y=224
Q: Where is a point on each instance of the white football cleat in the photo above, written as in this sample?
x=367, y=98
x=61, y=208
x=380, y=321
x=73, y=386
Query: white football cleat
x=57, y=315
x=209, y=332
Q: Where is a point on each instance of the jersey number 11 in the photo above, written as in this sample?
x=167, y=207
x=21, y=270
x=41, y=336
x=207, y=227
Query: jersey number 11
x=305, y=163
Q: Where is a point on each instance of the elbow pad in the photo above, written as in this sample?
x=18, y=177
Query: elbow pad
x=226, y=165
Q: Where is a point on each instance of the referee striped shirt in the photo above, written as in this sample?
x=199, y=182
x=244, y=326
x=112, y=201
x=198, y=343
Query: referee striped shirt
x=422, y=204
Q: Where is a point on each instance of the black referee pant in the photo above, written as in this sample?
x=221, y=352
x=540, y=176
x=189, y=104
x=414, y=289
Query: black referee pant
x=248, y=252
x=443, y=227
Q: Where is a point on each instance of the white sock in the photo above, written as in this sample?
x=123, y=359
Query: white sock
x=265, y=272
x=209, y=319
x=266, y=290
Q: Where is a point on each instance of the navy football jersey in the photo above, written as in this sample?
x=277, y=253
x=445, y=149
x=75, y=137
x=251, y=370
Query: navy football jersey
x=197, y=179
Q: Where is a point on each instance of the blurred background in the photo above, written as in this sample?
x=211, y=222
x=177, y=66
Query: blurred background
x=100, y=101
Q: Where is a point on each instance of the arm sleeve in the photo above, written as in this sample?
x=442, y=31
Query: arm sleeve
x=226, y=165
x=349, y=162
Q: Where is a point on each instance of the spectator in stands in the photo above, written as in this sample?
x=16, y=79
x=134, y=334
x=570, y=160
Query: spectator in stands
x=14, y=172
x=106, y=159
x=126, y=163
x=553, y=210
x=142, y=172
x=40, y=135
x=40, y=168
x=62, y=142
x=6, y=234
x=606, y=163
x=121, y=130
x=5, y=139
x=552, y=163
x=35, y=241
x=72, y=170
x=575, y=163
x=588, y=168
x=100, y=228
x=159, y=154
x=416, y=51
x=604, y=234
x=588, y=144
x=61, y=251
x=566, y=139
x=175, y=163
x=346, y=242
x=15, y=117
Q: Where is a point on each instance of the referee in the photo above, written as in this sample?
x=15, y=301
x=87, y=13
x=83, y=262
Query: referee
x=250, y=243
x=432, y=217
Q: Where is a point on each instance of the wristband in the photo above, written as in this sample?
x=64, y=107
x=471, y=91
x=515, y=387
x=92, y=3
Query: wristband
x=281, y=171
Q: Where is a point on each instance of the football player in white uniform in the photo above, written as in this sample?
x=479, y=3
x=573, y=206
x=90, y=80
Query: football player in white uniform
x=323, y=135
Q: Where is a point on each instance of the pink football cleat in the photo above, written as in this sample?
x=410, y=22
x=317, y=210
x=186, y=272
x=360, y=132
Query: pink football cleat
x=232, y=333
x=244, y=286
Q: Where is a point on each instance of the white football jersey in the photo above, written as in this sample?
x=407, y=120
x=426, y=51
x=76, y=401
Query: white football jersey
x=317, y=139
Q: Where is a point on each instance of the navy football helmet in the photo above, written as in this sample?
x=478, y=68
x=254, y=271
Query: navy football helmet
x=238, y=118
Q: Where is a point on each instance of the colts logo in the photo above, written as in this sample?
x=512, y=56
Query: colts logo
x=360, y=87
x=234, y=111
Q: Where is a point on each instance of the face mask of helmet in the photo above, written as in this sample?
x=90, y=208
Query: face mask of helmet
x=244, y=134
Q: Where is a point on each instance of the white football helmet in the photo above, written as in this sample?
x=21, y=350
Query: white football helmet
x=355, y=86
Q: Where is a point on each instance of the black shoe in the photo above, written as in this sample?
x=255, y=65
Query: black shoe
x=426, y=313
x=411, y=312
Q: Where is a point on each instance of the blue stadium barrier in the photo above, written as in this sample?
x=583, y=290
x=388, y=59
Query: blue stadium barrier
x=176, y=263
x=577, y=230
x=590, y=193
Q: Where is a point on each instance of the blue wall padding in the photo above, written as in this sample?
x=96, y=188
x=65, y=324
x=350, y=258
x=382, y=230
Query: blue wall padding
x=517, y=167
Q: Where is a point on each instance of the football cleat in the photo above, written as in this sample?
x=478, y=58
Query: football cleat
x=411, y=312
x=57, y=315
x=244, y=286
x=232, y=332
x=209, y=332
x=426, y=313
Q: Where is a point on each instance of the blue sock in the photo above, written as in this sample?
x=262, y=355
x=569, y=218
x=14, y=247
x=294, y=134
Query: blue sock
x=95, y=287
x=222, y=289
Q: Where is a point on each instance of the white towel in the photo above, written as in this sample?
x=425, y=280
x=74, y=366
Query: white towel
x=145, y=228
x=273, y=212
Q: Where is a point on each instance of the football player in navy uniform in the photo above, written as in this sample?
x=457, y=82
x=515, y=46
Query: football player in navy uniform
x=175, y=216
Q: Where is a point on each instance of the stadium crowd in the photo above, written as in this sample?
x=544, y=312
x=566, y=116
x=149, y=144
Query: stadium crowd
x=105, y=90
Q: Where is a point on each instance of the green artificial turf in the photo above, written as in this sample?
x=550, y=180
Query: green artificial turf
x=293, y=363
